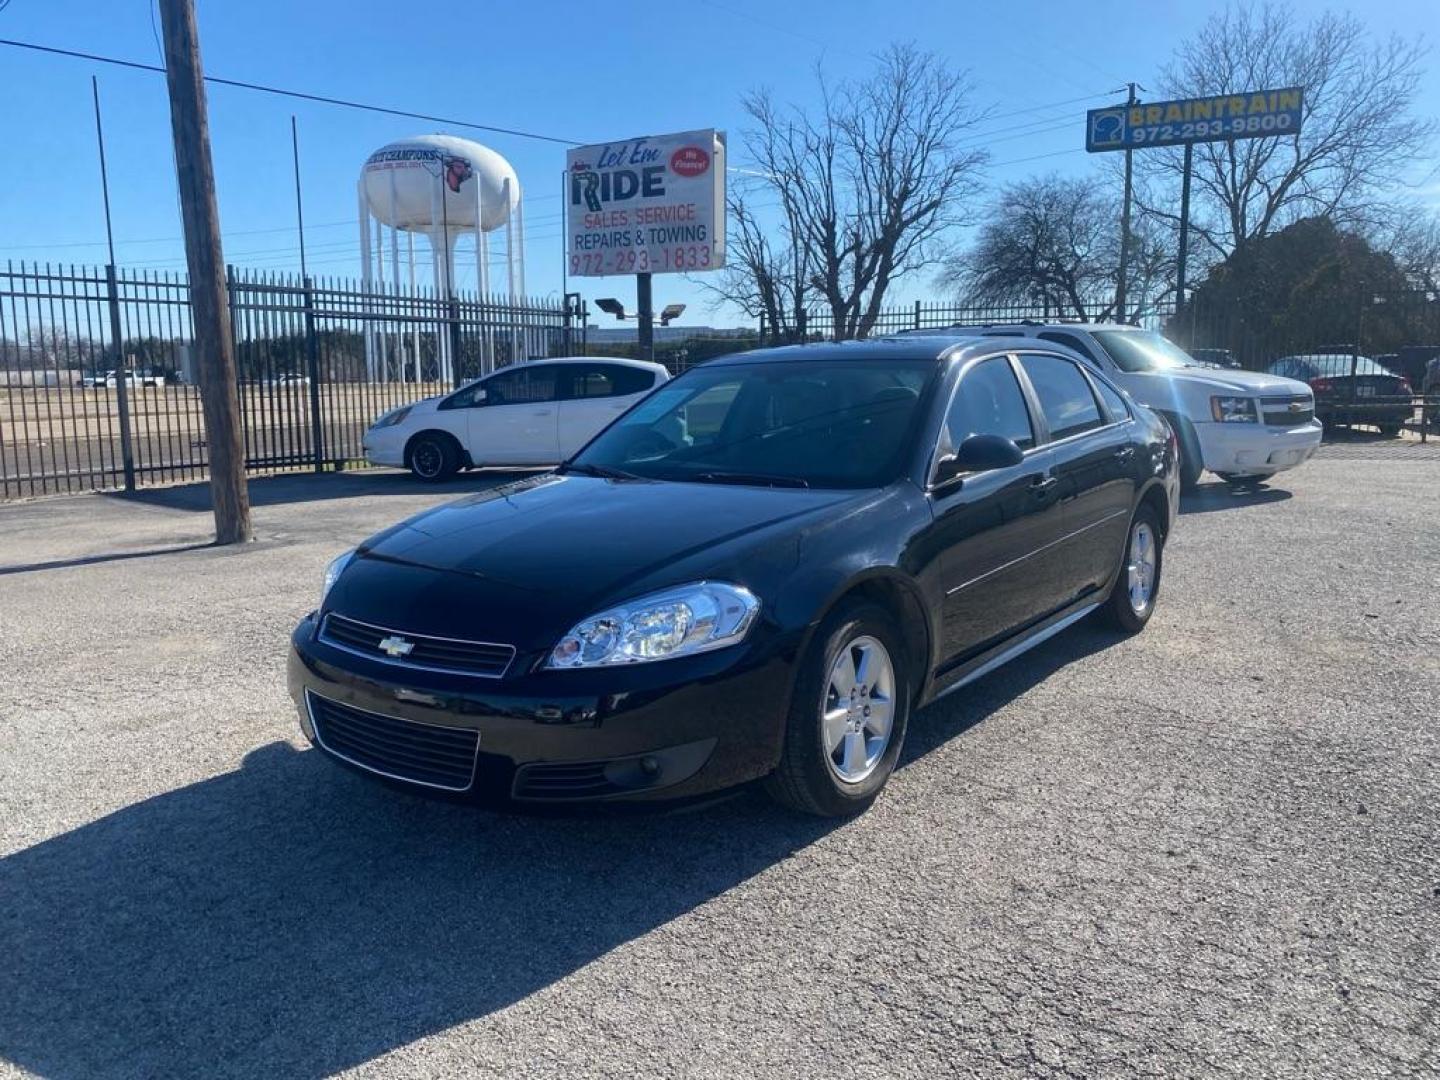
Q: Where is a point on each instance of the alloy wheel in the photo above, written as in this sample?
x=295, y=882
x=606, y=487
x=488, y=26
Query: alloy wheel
x=858, y=711
x=1140, y=567
x=427, y=459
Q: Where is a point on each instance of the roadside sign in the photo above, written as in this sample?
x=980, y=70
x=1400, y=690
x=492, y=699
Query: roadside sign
x=1224, y=117
x=648, y=205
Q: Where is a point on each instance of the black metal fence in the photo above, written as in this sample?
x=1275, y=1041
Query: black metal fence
x=1398, y=331
x=98, y=383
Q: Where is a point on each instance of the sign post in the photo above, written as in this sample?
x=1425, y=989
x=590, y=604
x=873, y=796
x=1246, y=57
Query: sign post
x=1184, y=122
x=649, y=205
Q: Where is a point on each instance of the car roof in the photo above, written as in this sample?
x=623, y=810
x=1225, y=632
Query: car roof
x=620, y=361
x=885, y=348
x=1021, y=326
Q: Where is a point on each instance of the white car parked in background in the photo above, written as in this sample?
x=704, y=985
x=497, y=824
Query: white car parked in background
x=531, y=414
x=1241, y=425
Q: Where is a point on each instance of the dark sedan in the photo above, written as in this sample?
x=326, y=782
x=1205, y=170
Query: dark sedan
x=1351, y=389
x=760, y=570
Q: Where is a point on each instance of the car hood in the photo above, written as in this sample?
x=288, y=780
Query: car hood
x=564, y=545
x=1229, y=381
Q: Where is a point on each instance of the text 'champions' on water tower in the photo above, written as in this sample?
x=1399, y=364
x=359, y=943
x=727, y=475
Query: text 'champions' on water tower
x=444, y=188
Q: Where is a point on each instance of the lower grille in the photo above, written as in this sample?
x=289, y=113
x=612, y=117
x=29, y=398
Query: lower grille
x=571, y=780
x=440, y=757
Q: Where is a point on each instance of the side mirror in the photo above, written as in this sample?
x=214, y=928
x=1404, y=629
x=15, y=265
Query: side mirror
x=979, y=453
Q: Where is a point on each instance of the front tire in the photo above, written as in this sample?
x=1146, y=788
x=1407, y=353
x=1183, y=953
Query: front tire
x=848, y=715
x=1191, y=463
x=433, y=457
x=1132, y=599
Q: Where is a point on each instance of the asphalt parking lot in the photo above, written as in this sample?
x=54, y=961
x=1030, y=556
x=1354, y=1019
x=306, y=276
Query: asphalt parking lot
x=1210, y=850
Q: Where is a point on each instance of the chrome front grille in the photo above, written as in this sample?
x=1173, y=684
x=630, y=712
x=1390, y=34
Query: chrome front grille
x=484, y=659
x=1287, y=411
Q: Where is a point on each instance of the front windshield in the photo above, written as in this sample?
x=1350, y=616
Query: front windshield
x=790, y=423
x=1142, y=350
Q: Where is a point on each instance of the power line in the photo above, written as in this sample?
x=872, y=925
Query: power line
x=300, y=94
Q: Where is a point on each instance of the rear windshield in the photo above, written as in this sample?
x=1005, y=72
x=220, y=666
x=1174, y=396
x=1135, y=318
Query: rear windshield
x=836, y=424
x=1339, y=366
x=1142, y=350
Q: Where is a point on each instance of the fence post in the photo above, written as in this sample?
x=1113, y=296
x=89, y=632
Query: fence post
x=122, y=391
x=917, y=314
x=452, y=312
x=800, y=324
x=312, y=372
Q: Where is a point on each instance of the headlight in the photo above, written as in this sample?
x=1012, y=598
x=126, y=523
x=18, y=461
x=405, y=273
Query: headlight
x=682, y=621
x=333, y=572
x=393, y=417
x=1233, y=410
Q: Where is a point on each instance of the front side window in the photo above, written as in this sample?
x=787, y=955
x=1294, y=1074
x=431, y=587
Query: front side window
x=523, y=385
x=1064, y=394
x=988, y=401
x=834, y=424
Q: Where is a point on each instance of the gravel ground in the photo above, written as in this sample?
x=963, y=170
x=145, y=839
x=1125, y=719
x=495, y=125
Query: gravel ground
x=1206, y=851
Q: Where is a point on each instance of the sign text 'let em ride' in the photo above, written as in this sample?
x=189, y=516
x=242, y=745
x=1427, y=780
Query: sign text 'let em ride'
x=649, y=205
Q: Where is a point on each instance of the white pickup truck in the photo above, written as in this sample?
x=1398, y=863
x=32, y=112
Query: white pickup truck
x=1241, y=425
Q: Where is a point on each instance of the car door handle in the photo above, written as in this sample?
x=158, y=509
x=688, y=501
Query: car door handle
x=1042, y=485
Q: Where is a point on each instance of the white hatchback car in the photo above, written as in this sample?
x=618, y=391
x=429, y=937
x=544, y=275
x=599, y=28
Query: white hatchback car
x=532, y=414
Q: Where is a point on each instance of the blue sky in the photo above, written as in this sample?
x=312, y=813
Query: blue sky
x=585, y=71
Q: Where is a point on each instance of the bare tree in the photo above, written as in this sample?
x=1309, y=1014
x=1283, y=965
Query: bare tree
x=766, y=278
x=870, y=185
x=1053, y=243
x=1358, y=134
x=1412, y=237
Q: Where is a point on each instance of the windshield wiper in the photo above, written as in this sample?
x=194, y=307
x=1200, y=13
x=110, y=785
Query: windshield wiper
x=603, y=471
x=749, y=478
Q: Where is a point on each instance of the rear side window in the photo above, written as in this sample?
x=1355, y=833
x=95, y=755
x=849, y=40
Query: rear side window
x=1072, y=342
x=608, y=380
x=1113, y=402
x=989, y=402
x=1064, y=394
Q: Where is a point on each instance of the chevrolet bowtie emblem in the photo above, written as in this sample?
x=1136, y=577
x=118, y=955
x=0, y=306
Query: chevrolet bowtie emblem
x=395, y=646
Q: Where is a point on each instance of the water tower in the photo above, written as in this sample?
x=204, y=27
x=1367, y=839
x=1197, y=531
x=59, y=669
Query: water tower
x=444, y=188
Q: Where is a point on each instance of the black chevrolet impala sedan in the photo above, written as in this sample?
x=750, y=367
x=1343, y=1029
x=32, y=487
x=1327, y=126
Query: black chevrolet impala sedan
x=759, y=571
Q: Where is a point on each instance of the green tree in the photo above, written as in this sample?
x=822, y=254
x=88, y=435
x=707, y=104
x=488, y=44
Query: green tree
x=1309, y=286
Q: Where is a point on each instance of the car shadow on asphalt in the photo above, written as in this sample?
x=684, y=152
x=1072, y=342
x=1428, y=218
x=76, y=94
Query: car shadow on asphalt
x=292, y=919
x=1209, y=498
x=288, y=488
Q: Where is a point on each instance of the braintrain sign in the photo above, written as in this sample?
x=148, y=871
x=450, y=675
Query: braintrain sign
x=650, y=205
x=1191, y=120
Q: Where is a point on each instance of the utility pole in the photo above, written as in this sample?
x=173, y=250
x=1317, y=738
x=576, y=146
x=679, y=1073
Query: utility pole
x=1184, y=255
x=210, y=311
x=1120, y=285
x=646, y=316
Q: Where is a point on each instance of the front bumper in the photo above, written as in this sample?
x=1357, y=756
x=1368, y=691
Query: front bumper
x=666, y=730
x=1256, y=449
x=384, y=446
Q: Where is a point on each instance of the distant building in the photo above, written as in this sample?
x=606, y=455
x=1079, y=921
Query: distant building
x=627, y=334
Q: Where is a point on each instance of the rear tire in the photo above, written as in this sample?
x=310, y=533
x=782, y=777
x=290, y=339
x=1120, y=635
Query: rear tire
x=433, y=457
x=838, y=750
x=1137, y=586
